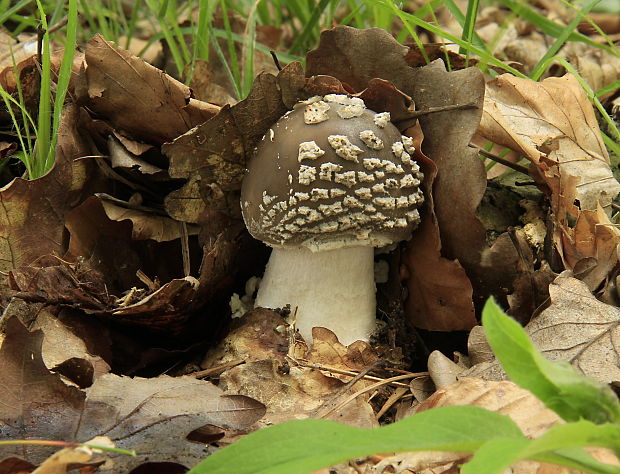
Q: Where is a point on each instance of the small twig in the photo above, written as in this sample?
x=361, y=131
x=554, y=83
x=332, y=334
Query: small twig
x=351, y=373
x=502, y=161
x=143, y=277
x=441, y=108
x=364, y=390
x=58, y=25
x=398, y=394
x=218, y=369
x=185, y=248
x=332, y=405
x=275, y=59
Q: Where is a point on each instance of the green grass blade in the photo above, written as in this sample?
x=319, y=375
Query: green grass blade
x=131, y=24
x=612, y=145
x=309, y=28
x=64, y=76
x=249, y=45
x=466, y=21
x=550, y=27
x=44, y=119
x=157, y=11
x=14, y=9
x=470, y=24
x=229, y=72
x=233, y=67
x=24, y=141
x=411, y=20
x=539, y=69
x=206, y=9
x=608, y=88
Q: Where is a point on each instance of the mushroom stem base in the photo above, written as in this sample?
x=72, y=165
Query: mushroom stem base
x=334, y=289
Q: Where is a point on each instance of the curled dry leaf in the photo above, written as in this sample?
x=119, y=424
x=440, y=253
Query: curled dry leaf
x=440, y=293
x=64, y=349
x=554, y=126
x=124, y=90
x=107, y=261
x=79, y=457
x=124, y=154
x=146, y=224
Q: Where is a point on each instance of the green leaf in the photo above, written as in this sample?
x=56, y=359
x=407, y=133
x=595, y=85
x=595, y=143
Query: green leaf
x=307, y=445
x=562, y=389
x=499, y=454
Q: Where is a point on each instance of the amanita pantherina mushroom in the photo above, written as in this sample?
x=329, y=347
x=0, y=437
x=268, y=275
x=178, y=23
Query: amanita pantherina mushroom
x=329, y=181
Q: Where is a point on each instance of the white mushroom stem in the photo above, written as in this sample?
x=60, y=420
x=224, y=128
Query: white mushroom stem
x=334, y=289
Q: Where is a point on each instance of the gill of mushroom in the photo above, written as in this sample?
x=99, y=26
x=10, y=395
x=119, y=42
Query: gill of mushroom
x=330, y=181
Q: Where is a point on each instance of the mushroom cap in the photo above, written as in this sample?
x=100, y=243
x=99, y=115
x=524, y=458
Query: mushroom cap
x=330, y=174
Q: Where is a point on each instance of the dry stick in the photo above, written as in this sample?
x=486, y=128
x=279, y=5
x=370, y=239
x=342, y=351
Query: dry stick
x=397, y=395
x=185, y=248
x=367, y=389
x=502, y=161
x=442, y=108
x=218, y=369
x=275, y=59
x=143, y=277
x=331, y=405
x=351, y=373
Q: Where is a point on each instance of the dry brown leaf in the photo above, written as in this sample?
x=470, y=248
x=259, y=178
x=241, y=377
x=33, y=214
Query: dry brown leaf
x=442, y=370
x=553, y=124
x=31, y=219
x=63, y=349
x=440, y=294
x=152, y=416
x=70, y=458
x=205, y=88
x=212, y=157
x=146, y=225
x=357, y=56
x=578, y=328
x=596, y=66
x=251, y=338
x=506, y=398
x=124, y=90
x=36, y=403
x=288, y=389
x=122, y=157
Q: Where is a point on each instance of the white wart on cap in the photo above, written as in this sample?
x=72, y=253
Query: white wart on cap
x=331, y=174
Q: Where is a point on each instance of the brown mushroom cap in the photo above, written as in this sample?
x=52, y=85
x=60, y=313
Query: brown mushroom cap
x=329, y=174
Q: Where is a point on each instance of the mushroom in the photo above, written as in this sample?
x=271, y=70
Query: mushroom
x=330, y=181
